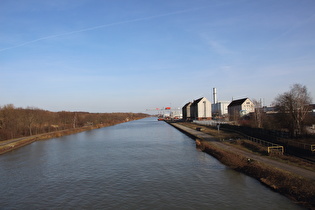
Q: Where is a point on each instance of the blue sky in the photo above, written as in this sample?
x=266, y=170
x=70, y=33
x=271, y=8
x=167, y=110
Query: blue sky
x=133, y=55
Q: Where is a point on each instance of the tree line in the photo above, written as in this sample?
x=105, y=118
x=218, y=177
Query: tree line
x=292, y=112
x=18, y=122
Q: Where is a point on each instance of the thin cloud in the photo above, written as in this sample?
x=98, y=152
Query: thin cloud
x=219, y=48
x=101, y=26
x=293, y=28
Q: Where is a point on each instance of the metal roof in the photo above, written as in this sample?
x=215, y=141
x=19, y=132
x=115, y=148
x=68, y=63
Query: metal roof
x=237, y=102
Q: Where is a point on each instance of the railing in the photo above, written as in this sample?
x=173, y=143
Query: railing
x=271, y=147
x=276, y=149
x=209, y=122
x=278, y=137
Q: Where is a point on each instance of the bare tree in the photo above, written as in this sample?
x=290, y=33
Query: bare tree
x=30, y=119
x=8, y=122
x=18, y=122
x=293, y=107
x=258, y=113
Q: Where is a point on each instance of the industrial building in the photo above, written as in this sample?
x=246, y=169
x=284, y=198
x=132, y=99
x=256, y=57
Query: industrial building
x=202, y=109
x=199, y=109
x=239, y=108
x=186, y=111
x=219, y=108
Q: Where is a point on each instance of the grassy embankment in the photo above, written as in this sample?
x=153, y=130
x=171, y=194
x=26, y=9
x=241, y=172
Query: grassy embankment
x=23, y=141
x=299, y=189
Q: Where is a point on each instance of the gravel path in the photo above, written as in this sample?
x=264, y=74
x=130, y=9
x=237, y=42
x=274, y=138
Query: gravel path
x=290, y=168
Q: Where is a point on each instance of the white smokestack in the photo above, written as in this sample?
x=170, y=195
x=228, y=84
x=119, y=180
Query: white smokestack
x=215, y=95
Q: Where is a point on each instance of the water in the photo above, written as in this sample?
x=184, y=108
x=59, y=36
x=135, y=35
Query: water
x=142, y=164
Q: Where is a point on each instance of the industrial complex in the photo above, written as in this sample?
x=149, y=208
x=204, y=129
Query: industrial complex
x=203, y=109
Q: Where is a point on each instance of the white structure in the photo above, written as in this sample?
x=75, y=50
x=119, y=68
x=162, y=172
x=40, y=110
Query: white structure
x=220, y=108
x=200, y=109
x=176, y=113
x=215, y=96
x=239, y=108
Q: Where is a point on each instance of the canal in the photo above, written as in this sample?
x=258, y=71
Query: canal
x=143, y=164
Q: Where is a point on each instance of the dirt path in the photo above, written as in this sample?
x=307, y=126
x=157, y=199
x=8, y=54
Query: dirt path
x=12, y=141
x=290, y=168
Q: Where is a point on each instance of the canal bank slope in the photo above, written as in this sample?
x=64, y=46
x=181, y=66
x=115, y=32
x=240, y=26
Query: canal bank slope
x=13, y=144
x=294, y=182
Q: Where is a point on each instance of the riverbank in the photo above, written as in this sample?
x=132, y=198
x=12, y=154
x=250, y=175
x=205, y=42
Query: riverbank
x=294, y=182
x=13, y=144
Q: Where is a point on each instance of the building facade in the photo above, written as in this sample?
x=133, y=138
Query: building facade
x=239, y=108
x=186, y=111
x=220, y=108
x=200, y=109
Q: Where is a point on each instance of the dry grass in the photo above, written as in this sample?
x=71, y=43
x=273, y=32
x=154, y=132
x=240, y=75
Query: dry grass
x=222, y=135
x=262, y=150
x=251, y=146
x=14, y=145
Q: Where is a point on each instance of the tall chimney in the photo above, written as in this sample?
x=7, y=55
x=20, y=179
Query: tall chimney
x=215, y=95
